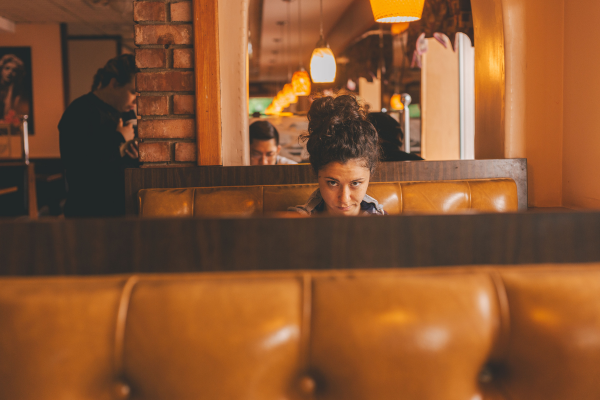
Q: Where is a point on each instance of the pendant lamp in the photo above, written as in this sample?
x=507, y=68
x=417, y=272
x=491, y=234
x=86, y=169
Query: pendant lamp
x=300, y=79
x=397, y=10
x=288, y=94
x=396, y=102
x=398, y=28
x=322, y=62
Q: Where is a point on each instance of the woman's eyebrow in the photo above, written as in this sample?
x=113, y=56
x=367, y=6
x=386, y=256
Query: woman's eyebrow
x=333, y=179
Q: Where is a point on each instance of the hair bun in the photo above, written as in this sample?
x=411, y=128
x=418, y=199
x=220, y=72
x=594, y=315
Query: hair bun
x=327, y=113
x=338, y=130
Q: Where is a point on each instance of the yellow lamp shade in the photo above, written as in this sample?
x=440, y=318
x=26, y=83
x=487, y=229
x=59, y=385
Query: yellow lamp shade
x=396, y=102
x=301, y=83
x=399, y=28
x=397, y=10
x=322, y=65
x=288, y=94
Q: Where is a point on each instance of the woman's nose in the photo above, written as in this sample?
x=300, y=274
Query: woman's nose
x=345, y=195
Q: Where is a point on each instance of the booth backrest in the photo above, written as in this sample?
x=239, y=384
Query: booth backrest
x=491, y=195
x=519, y=333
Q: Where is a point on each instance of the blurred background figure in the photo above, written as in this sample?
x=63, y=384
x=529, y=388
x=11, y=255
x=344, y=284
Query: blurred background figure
x=391, y=138
x=264, y=145
x=97, y=142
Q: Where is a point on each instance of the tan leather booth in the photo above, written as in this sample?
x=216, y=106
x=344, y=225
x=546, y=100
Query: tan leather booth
x=519, y=333
x=487, y=195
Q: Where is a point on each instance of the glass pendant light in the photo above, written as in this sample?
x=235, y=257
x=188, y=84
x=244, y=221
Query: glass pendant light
x=396, y=102
x=397, y=10
x=322, y=62
x=288, y=94
x=300, y=79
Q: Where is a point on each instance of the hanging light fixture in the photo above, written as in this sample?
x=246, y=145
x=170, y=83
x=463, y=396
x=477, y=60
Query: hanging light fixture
x=396, y=102
x=300, y=79
x=322, y=62
x=397, y=10
x=288, y=94
x=398, y=28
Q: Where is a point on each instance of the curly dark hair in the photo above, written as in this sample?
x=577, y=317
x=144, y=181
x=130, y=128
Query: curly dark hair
x=122, y=68
x=338, y=131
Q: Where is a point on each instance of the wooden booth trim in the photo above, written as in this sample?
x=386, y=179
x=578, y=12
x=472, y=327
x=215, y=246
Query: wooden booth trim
x=135, y=245
x=146, y=178
x=208, y=82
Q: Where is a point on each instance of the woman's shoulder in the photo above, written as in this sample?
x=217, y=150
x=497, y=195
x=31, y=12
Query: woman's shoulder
x=370, y=205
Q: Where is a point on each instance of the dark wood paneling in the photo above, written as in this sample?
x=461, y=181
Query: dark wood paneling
x=24, y=200
x=143, y=178
x=128, y=245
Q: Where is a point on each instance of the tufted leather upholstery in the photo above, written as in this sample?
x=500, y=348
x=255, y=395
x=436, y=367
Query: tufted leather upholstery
x=519, y=333
x=494, y=195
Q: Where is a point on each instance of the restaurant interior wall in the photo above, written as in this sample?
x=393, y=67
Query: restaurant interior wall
x=166, y=105
x=581, y=164
x=534, y=40
x=440, y=126
x=48, y=104
x=529, y=79
x=85, y=57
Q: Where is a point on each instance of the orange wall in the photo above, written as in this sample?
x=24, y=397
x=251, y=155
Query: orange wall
x=581, y=151
x=534, y=45
x=44, y=40
x=440, y=125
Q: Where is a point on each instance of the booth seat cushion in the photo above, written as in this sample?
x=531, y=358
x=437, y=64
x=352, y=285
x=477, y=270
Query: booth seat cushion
x=494, y=195
x=518, y=333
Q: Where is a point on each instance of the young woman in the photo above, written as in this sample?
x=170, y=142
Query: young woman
x=343, y=153
x=96, y=146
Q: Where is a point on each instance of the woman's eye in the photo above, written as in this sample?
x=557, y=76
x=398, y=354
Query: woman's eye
x=332, y=183
x=355, y=184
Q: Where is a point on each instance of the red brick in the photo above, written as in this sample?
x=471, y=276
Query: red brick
x=185, y=152
x=149, y=11
x=184, y=104
x=183, y=58
x=150, y=58
x=167, y=128
x=172, y=81
x=163, y=34
x=155, y=152
x=152, y=105
x=181, y=12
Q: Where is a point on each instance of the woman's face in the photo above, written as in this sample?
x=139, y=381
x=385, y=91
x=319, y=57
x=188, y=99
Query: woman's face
x=9, y=72
x=343, y=186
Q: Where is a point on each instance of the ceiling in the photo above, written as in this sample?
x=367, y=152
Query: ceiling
x=270, y=41
x=84, y=17
x=275, y=39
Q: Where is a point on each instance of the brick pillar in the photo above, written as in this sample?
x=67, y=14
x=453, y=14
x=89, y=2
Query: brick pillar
x=166, y=105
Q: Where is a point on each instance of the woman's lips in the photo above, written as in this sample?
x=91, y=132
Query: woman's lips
x=345, y=208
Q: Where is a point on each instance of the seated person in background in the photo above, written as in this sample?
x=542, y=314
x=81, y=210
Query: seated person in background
x=96, y=145
x=390, y=138
x=343, y=153
x=264, y=145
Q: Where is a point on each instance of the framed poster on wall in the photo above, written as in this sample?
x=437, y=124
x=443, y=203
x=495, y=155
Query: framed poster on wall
x=16, y=87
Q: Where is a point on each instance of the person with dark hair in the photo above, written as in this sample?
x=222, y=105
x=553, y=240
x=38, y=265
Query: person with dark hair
x=343, y=153
x=264, y=145
x=96, y=146
x=391, y=138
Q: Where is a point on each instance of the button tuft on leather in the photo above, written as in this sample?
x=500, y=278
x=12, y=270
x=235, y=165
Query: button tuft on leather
x=486, y=376
x=122, y=390
x=307, y=385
